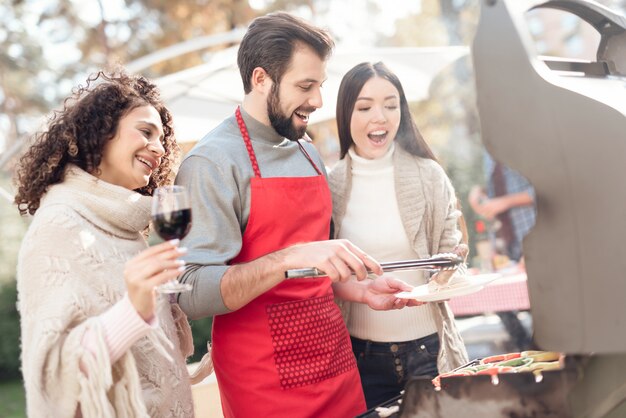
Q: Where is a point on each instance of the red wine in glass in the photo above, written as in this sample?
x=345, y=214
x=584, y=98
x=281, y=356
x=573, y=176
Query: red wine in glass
x=171, y=217
x=172, y=225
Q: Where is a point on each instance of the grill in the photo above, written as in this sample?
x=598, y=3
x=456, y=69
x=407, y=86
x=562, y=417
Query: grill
x=561, y=123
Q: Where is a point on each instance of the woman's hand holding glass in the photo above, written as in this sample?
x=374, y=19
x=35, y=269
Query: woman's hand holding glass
x=171, y=217
x=147, y=270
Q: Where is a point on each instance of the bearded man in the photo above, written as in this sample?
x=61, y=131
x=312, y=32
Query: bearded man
x=261, y=206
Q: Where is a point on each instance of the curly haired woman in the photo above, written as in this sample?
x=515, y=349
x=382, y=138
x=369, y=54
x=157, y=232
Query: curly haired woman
x=97, y=341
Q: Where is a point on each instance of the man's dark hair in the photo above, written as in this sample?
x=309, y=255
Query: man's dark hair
x=270, y=42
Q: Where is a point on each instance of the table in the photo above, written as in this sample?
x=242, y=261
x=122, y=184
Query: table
x=508, y=293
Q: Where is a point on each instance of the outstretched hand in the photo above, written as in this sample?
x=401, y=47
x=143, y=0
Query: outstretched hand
x=379, y=294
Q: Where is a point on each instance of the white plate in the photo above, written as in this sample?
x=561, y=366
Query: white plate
x=474, y=284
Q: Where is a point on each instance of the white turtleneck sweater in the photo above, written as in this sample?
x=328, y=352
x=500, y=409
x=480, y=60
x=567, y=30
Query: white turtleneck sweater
x=372, y=222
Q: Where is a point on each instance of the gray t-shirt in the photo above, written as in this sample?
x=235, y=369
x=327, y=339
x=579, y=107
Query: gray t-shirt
x=217, y=173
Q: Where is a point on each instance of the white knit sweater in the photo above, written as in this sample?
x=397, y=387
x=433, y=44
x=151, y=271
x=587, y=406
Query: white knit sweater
x=427, y=206
x=70, y=270
x=372, y=202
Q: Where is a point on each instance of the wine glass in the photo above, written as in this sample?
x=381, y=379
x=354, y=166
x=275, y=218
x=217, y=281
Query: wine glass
x=171, y=216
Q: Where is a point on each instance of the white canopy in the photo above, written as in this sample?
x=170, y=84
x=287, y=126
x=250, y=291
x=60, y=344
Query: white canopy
x=201, y=97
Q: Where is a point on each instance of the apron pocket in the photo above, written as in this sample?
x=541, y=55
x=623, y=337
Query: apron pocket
x=310, y=340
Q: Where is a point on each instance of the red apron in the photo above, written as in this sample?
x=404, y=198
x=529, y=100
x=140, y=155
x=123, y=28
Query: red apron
x=286, y=353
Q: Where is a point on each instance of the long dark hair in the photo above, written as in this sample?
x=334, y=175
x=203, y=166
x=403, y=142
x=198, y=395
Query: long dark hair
x=78, y=133
x=408, y=136
x=270, y=41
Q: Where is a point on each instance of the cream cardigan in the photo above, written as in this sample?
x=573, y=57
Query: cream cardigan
x=70, y=269
x=427, y=205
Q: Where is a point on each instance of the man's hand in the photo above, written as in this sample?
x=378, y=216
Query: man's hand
x=339, y=259
x=379, y=294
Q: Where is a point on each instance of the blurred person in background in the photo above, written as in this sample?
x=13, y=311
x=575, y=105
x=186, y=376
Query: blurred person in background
x=509, y=200
x=261, y=207
x=96, y=339
x=392, y=198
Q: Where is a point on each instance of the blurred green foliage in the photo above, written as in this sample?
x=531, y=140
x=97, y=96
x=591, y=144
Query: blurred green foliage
x=12, y=399
x=201, y=331
x=10, y=332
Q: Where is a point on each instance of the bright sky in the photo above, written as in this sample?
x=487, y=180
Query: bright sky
x=350, y=22
x=353, y=24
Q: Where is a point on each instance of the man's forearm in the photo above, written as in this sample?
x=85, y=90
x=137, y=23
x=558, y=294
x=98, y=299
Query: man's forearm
x=206, y=297
x=339, y=259
x=243, y=282
x=221, y=289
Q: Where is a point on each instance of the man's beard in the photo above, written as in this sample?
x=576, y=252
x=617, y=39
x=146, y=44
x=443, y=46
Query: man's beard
x=281, y=123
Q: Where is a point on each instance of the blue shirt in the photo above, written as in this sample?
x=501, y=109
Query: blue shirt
x=522, y=217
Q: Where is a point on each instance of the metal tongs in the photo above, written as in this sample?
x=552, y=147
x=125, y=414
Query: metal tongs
x=438, y=262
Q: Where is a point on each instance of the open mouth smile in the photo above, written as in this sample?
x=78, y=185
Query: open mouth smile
x=150, y=163
x=378, y=137
x=304, y=117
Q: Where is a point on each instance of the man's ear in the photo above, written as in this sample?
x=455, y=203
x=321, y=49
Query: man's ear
x=261, y=80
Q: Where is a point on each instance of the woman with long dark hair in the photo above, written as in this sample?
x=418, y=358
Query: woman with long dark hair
x=393, y=200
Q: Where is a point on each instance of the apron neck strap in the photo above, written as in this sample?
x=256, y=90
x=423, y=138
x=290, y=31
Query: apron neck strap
x=308, y=157
x=246, y=139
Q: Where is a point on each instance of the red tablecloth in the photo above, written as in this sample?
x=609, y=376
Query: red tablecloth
x=509, y=293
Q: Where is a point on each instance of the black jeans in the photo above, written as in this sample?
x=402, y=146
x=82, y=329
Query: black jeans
x=386, y=367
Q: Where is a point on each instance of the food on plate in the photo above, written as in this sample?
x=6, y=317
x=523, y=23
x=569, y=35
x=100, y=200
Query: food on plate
x=457, y=280
x=461, y=285
x=526, y=361
x=456, y=265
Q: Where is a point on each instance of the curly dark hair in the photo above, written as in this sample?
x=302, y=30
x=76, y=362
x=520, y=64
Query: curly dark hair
x=78, y=132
